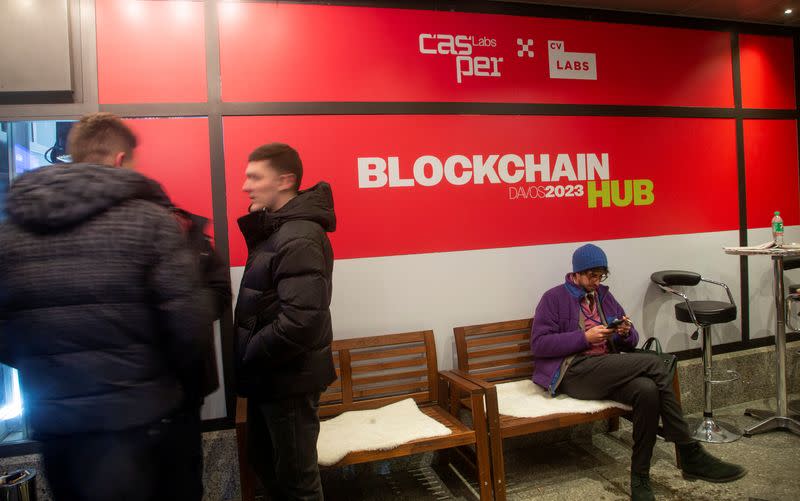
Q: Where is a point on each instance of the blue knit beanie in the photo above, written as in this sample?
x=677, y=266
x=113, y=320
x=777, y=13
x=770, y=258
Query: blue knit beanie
x=587, y=257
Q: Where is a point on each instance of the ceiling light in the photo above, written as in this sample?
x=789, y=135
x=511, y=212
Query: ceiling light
x=787, y=11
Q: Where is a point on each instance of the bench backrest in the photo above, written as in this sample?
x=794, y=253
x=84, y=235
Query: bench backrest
x=380, y=370
x=498, y=351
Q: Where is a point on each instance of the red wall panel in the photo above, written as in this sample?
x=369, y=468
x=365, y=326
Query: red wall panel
x=691, y=164
x=175, y=152
x=150, y=51
x=771, y=164
x=286, y=52
x=767, y=66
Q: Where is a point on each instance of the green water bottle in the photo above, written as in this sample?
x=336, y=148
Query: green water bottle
x=777, y=229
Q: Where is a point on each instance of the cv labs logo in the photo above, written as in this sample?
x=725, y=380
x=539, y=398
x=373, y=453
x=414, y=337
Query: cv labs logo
x=570, y=65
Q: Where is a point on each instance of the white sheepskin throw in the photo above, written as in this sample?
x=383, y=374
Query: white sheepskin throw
x=526, y=399
x=372, y=430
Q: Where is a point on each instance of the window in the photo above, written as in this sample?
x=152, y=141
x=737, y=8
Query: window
x=24, y=146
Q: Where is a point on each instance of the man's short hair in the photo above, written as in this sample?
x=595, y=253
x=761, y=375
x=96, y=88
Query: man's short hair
x=282, y=158
x=98, y=135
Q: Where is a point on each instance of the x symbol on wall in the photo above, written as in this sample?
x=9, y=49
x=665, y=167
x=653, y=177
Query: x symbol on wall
x=524, y=48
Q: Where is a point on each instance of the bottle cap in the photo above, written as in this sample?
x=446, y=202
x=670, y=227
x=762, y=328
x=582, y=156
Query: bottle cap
x=777, y=213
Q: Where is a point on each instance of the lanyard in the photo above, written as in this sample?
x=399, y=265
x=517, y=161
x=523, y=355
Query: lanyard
x=587, y=312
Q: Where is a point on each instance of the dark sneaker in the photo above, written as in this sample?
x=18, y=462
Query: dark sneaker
x=696, y=462
x=640, y=488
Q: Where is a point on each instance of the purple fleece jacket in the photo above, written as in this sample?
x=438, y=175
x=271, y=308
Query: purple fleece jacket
x=556, y=333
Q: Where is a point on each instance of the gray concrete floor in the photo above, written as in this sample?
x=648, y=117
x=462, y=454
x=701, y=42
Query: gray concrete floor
x=590, y=467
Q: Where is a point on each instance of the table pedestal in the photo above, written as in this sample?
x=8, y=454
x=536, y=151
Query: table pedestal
x=780, y=420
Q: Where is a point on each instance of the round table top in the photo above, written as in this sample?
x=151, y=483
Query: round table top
x=785, y=251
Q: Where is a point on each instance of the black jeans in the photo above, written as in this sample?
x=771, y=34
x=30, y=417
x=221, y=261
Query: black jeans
x=150, y=463
x=282, y=446
x=639, y=380
x=185, y=450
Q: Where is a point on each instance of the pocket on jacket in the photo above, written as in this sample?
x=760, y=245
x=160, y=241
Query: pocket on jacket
x=243, y=336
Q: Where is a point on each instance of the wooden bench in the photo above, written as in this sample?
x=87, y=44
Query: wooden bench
x=380, y=370
x=500, y=352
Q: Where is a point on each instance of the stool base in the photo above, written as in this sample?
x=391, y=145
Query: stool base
x=771, y=421
x=709, y=430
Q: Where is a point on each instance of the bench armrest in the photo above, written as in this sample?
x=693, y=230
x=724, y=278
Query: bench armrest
x=452, y=387
x=486, y=403
x=485, y=385
x=460, y=381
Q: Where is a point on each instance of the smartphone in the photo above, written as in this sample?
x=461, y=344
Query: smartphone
x=614, y=323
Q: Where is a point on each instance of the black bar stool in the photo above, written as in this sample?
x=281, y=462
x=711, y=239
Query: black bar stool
x=703, y=314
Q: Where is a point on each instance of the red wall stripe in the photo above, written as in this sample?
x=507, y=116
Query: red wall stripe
x=767, y=66
x=286, y=52
x=771, y=165
x=690, y=163
x=175, y=152
x=150, y=52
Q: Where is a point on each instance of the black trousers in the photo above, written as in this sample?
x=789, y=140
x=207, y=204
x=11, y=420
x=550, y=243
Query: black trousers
x=282, y=446
x=639, y=380
x=161, y=461
x=186, y=472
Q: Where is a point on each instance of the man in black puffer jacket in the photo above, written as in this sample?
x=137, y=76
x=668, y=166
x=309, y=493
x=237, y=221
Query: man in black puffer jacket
x=101, y=313
x=283, y=320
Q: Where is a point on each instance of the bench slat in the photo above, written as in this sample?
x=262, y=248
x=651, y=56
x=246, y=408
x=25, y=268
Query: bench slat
x=330, y=396
x=374, y=341
x=523, y=347
x=503, y=362
x=505, y=338
x=336, y=409
x=390, y=389
x=356, y=356
x=394, y=364
x=510, y=325
x=504, y=374
x=392, y=376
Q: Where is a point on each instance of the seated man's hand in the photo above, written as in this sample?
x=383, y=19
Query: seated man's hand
x=624, y=328
x=597, y=334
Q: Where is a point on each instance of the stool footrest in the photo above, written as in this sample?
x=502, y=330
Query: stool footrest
x=727, y=376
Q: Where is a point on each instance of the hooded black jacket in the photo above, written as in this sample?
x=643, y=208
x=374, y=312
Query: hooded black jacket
x=283, y=319
x=99, y=305
x=215, y=276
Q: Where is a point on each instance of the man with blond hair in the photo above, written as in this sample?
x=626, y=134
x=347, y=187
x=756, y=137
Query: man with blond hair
x=100, y=311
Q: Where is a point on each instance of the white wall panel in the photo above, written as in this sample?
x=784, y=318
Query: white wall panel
x=441, y=291
x=214, y=404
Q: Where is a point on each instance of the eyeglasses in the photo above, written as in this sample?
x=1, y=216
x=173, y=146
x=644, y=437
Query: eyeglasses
x=596, y=275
